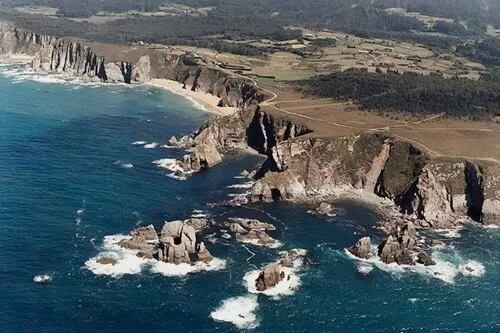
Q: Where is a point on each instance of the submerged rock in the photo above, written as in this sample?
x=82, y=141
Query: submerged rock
x=362, y=248
x=323, y=209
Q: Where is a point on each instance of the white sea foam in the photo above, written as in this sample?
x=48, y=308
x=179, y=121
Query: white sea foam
x=170, y=164
x=447, y=268
x=276, y=244
x=238, y=310
x=151, y=145
x=124, y=165
x=168, y=269
x=23, y=73
x=365, y=268
x=285, y=287
x=173, y=165
x=127, y=262
x=472, y=268
x=244, y=185
x=450, y=233
x=44, y=278
x=139, y=143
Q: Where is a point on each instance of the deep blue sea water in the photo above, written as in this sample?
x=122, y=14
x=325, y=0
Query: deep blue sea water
x=66, y=183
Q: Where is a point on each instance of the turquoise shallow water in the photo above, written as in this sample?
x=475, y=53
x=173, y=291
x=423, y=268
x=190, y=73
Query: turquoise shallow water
x=66, y=182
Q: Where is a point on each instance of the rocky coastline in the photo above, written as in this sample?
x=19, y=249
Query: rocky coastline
x=117, y=64
x=414, y=190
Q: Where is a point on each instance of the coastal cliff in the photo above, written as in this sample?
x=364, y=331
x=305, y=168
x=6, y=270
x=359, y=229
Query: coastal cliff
x=432, y=192
x=109, y=63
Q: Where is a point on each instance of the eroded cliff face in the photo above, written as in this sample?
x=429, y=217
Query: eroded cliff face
x=81, y=59
x=433, y=192
x=248, y=127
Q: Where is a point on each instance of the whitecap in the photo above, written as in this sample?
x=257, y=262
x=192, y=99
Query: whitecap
x=127, y=165
x=239, y=311
x=243, y=186
x=168, y=269
x=151, y=145
x=177, y=176
x=472, y=268
x=126, y=260
x=139, y=143
x=170, y=164
x=365, y=268
x=173, y=165
x=274, y=245
x=44, y=278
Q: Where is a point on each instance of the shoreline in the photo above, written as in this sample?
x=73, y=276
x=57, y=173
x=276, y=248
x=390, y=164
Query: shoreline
x=202, y=100
x=205, y=101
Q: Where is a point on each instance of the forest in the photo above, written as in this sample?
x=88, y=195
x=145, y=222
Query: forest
x=411, y=93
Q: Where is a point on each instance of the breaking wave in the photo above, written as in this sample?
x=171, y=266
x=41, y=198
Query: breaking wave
x=239, y=311
x=449, y=266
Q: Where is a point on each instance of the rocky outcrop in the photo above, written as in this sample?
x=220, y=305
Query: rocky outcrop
x=362, y=249
x=399, y=248
x=270, y=276
x=251, y=231
x=424, y=259
x=175, y=243
x=322, y=209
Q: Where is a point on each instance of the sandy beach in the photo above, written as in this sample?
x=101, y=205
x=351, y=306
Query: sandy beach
x=206, y=101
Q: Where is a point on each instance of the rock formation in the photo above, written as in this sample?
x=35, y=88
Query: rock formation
x=270, y=276
x=175, y=243
x=322, y=209
x=251, y=231
x=424, y=259
x=362, y=248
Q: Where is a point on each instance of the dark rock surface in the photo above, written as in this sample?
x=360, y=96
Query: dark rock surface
x=362, y=248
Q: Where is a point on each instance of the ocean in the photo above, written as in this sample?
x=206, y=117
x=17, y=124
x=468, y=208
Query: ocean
x=77, y=171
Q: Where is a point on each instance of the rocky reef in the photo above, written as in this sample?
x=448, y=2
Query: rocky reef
x=252, y=231
x=176, y=243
